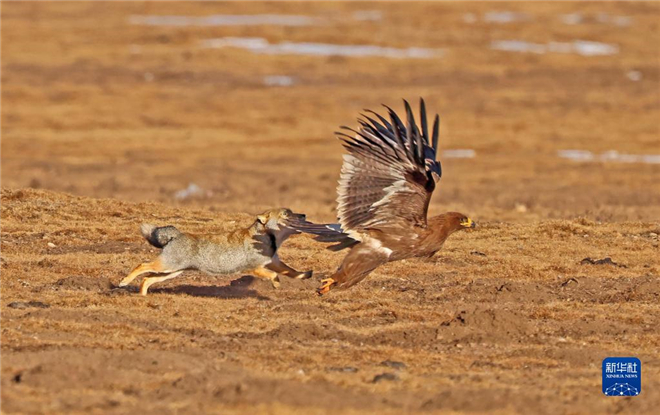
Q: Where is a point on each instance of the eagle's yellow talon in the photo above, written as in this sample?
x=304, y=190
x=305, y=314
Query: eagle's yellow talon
x=326, y=285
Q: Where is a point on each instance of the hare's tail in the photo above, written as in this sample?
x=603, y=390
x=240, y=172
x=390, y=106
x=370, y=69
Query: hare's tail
x=159, y=236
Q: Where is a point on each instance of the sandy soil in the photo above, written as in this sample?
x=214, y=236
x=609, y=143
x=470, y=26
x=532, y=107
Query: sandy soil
x=103, y=121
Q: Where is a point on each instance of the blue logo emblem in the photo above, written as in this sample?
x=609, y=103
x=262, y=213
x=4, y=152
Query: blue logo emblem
x=622, y=376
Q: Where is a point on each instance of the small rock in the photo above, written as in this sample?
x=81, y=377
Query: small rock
x=29, y=304
x=51, y=245
x=345, y=369
x=384, y=377
x=604, y=261
x=568, y=281
x=393, y=364
x=477, y=253
x=241, y=387
x=521, y=208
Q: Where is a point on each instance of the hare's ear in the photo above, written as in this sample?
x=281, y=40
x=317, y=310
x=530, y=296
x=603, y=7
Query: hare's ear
x=262, y=219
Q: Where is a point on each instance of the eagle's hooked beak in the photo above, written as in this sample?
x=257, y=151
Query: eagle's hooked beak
x=468, y=223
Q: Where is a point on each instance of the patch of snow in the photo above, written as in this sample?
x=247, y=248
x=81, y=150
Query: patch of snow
x=461, y=153
x=368, y=15
x=615, y=20
x=470, y=18
x=634, y=76
x=580, y=47
x=225, y=20
x=609, y=156
x=576, y=155
x=505, y=17
x=572, y=18
x=278, y=80
x=262, y=46
x=192, y=191
x=579, y=18
x=587, y=48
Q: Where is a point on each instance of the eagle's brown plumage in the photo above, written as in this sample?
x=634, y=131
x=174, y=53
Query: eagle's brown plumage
x=386, y=183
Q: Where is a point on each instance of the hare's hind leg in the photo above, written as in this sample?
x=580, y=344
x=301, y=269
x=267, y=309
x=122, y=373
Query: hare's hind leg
x=154, y=267
x=147, y=282
x=265, y=273
x=282, y=268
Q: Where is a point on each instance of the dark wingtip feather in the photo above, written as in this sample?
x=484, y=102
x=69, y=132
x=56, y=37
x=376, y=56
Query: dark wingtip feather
x=436, y=131
x=414, y=138
x=397, y=127
x=409, y=113
x=410, y=122
x=382, y=119
x=422, y=121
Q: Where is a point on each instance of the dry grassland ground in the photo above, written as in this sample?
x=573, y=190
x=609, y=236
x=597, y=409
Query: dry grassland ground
x=103, y=121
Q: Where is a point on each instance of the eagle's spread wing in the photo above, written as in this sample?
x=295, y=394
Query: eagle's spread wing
x=389, y=173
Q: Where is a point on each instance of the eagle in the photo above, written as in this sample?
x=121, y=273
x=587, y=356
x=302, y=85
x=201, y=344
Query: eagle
x=387, y=179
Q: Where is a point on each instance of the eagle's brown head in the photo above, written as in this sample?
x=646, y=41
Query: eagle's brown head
x=455, y=221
